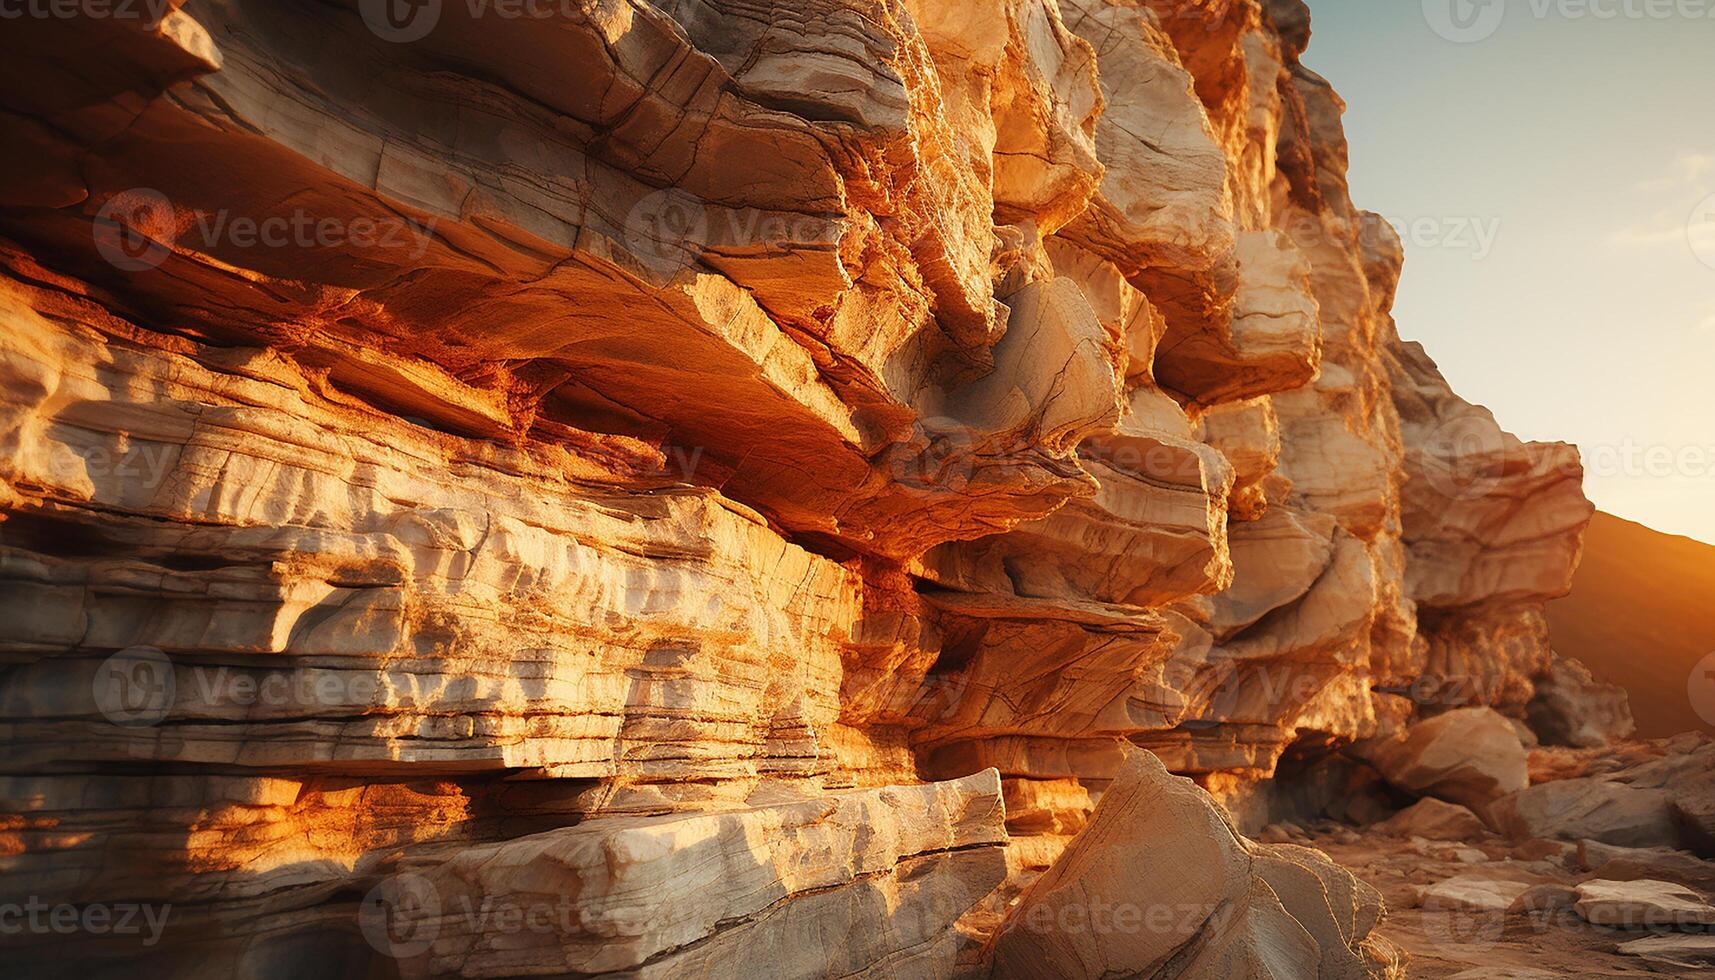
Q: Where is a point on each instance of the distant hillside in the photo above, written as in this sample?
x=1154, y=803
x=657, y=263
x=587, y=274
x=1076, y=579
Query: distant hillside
x=1641, y=615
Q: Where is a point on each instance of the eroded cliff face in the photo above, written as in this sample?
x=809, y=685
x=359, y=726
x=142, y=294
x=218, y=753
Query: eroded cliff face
x=736, y=479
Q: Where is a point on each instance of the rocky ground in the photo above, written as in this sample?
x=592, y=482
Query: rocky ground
x=1617, y=885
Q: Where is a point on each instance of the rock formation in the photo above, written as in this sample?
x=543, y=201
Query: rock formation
x=1161, y=885
x=702, y=488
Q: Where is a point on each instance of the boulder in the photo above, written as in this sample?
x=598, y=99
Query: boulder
x=1594, y=809
x=1160, y=884
x=1470, y=755
x=1571, y=707
x=1693, y=808
x=1434, y=819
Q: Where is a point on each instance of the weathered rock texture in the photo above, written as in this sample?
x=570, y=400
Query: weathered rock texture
x=598, y=486
x=1161, y=885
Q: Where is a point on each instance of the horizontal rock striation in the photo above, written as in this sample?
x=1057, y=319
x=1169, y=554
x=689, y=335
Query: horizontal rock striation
x=663, y=488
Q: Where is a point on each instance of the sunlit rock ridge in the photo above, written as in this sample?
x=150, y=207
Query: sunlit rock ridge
x=731, y=481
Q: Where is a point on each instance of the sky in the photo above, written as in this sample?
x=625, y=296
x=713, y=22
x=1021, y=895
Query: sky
x=1551, y=164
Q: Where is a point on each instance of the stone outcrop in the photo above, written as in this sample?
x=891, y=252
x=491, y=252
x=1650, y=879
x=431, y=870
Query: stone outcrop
x=1159, y=884
x=1470, y=756
x=723, y=488
x=1661, y=800
x=1572, y=708
x=692, y=894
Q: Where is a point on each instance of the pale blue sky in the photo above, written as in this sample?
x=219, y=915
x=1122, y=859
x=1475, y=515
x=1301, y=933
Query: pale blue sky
x=1548, y=177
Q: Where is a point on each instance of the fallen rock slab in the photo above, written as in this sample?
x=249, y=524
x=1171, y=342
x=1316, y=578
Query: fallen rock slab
x=1613, y=863
x=1588, y=809
x=1473, y=893
x=794, y=889
x=1688, y=951
x=1642, y=905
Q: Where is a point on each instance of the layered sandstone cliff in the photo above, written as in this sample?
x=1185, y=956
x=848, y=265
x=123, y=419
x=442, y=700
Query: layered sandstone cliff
x=728, y=482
